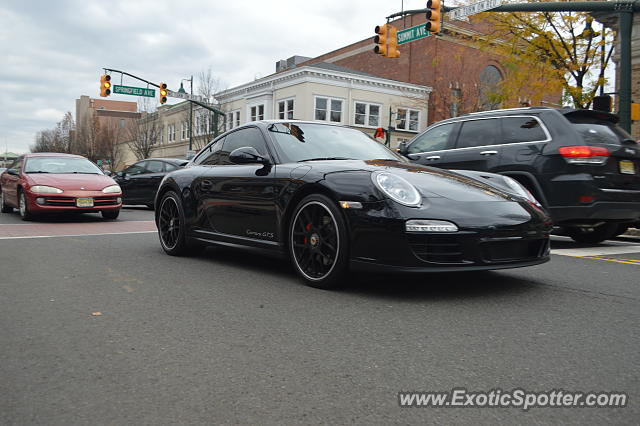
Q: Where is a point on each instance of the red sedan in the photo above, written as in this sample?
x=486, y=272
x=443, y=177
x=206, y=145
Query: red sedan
x=53, y=182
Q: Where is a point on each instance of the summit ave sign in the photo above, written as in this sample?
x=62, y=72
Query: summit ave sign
x=412, y=34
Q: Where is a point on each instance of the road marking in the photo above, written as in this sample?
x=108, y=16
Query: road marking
x=597, y=251
x=610, y=259
x=76, y=235
x=74, y=229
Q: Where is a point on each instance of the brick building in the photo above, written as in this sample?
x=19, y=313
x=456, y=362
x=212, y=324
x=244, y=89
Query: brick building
x=462, y=76
x=101, y=123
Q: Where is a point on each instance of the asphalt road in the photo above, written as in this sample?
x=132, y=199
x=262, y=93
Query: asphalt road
x=232, y=337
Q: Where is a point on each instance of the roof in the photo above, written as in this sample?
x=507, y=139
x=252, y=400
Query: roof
x=9, y=155
x=334, y=67
x=171, y=160
x=51, y=154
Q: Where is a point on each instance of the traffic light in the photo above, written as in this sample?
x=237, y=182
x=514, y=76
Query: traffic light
x=433, y=16
x=381, y=39
x=163, y=93
x=392, y=43
x=105, y=85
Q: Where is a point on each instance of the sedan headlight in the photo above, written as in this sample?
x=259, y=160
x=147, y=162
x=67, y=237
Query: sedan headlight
x=43, y=189
x=397, y=188
x=113, y=189
x=520, y=190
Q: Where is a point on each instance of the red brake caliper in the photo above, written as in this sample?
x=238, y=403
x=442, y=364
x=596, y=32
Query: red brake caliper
x=308, y=228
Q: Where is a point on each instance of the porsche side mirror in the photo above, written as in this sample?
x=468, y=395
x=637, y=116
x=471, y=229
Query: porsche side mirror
x=13, y=172
x=247, y=155
x=402, y=148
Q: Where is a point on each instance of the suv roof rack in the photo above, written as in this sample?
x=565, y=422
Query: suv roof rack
x=507, y=109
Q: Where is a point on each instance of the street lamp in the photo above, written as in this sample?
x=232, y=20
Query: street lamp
x=181, y=90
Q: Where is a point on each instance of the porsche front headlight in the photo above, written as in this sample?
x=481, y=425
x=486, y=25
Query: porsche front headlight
x=113, y=189
x=397, y=188
x=43, y=189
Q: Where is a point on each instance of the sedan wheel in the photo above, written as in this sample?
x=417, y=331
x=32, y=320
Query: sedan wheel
x=25, y=214
x=4, y=207
x=171, y=227
x=318, y=242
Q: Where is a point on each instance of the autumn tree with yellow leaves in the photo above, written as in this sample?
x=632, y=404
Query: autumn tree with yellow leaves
x=543, y=51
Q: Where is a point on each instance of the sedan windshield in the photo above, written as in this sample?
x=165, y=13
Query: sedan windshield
x=61, y=165
x=311, y=142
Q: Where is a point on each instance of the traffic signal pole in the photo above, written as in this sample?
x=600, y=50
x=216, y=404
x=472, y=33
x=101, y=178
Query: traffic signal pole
x=625, y=10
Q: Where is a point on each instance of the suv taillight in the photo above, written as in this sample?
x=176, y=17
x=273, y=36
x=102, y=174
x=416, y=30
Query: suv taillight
x=584, y=154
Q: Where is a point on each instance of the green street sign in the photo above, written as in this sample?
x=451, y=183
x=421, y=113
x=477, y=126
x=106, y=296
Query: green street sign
x=134, y=91
x=412, y=34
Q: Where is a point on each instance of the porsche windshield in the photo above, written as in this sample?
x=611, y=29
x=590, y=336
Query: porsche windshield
x=61, y=165
x=310, y=142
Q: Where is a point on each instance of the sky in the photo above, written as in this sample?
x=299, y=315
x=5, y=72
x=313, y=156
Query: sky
x=51, y=53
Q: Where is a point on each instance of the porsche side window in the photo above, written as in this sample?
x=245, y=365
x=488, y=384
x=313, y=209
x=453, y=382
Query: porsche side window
x=432, y=140
x=245, y=137
x=211, y=156
x=478, y=133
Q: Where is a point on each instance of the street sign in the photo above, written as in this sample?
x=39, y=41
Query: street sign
x=462, y=12
x=135, y=91
x=412, y=34
x=187, y=96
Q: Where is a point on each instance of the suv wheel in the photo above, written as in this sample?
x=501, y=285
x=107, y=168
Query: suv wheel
x=593, y=235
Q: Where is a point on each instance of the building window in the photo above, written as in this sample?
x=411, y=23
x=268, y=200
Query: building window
x=233, y=119
x=257, y=112
x=185, y=130
x=212, y=123
x=328, y=109
x=490, y=78
x=407, y=119
x=285, y=109
x=172, y=132
x=367, y=114
x=122, y=123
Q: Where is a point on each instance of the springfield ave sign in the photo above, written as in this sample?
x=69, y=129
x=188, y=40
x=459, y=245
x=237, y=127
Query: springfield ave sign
x=412, y=34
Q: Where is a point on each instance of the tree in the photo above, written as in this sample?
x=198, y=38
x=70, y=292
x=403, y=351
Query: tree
x=204, y=122
x=57, y=139
x=543, y=50
x=143, y=135
x=111, y=136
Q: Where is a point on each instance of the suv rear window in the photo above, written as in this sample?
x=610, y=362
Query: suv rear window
x=597, y=132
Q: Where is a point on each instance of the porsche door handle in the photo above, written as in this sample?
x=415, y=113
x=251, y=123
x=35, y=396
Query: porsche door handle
x=488, y=152
x=432, y=158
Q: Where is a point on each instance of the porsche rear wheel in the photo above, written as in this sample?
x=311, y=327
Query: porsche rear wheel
x=318, y=242
x=172, y=227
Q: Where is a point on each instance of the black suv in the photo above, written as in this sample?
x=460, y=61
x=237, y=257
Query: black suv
x=582, y=167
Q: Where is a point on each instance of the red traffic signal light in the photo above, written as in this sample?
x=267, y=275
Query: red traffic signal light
x=105, y=85
x=433, y=16
x=163, y=93
x=380, y=40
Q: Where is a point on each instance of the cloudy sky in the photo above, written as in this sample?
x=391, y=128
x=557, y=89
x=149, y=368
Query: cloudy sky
x=53, y=52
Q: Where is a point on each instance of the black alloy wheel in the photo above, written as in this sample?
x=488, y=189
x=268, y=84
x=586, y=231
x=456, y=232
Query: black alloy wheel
x=318, y=243
x=171, y=227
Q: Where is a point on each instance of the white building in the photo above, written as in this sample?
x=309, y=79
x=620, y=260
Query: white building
x=330, y=93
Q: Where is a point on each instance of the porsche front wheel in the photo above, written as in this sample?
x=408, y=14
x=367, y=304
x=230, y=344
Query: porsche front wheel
x=318, y=242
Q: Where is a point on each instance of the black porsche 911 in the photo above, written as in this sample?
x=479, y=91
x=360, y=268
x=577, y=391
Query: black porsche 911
x=333, y=199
